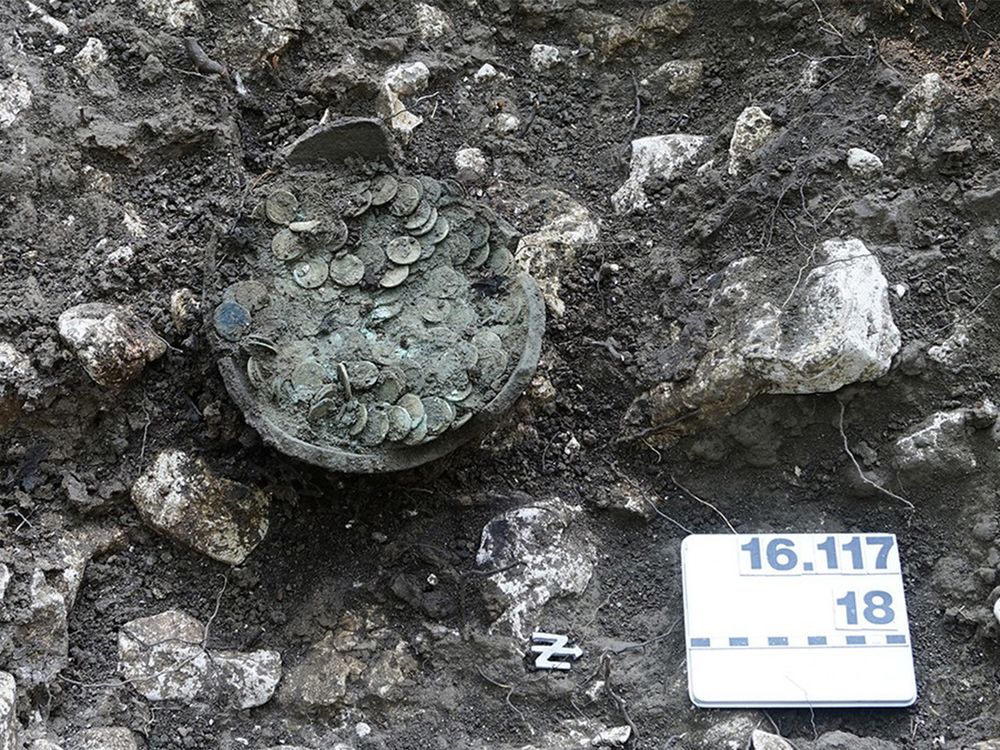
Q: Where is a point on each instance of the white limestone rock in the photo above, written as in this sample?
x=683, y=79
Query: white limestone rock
x=662, y=156
x=432, y=23
x=91, y=57
x=548, y=251
x=486, y=73
x=942, y=444
x=112, y=344
x=840, y=332
x=5, y=577
x=404, y=79
x=8, y=716
x=472, y=161
x=556, y=558
x=915, y=116
x=505, y=123
x=676, y=77
x=612, y=737
x=15, y=97
x=275, y=24
x=105, y=738
x=218, y=517
x=163, y=657
x=835, y=329
x=762, y=740
x=544, y=57
x=19, y=382
x=176, y=14
x=753, y=129
x=863, y=164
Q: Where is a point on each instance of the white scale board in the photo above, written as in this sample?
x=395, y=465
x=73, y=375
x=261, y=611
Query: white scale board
x=796, y=620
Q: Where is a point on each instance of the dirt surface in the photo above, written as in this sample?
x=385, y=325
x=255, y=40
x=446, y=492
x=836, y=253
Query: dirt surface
x=113, y=185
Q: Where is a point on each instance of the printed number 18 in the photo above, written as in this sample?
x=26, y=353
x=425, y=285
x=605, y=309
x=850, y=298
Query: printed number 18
x=877, y=611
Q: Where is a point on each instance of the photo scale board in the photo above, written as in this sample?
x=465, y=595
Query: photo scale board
x=796, y=620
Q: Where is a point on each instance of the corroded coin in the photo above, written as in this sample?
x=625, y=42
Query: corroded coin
x=501, y=260
x=479, y=231
x=403, y=250
x=384, y=189
x=376, y=425
x=427, y=226
x=479, y=256
x=457, y=245
x=435, y=310
x=400, y=423
x=255, y=373
x=407, y=198
x=440, y=415
x=419, y=216
x=438, y=232
x=418, y=434
x=232, y=320
x=394, y=276
x=286, y=246
x=347, y=270
x=260, y=345
x=492, y=364
x=321, y=408
x=432, y=188
x=487, y=339
x=281, y=206
x=309, y=375
x=459, y=394
x=390, y=385
x=413, y=405
x=357, y=200
x=445, y=282
x=382, y=313
x=353, y=417
x=304, y=227
x=362, y=373
x=310, y=274
x=338, y=235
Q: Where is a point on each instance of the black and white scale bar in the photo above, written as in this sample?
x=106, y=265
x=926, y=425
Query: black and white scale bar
x=839, y=640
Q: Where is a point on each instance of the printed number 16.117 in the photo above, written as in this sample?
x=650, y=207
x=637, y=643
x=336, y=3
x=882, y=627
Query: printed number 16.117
x=780, y=553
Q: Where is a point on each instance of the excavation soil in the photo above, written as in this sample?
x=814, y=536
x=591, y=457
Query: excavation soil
x=71, y=172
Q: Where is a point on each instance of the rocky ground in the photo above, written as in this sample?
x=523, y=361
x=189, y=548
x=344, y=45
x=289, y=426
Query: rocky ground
x=767, y=237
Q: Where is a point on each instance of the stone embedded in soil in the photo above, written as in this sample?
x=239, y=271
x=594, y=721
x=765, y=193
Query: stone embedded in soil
x=180, y=497
x=485, y=73
x=612, y=737
x=944, y=443
x=362, y=659
x=15, y=97
x=506, y=123
x=753, y=129
x=105, y=738
x=41, y=641
x=164, y=658
x=90, y=58
x=541, y=552
x=8, y=714
x=761, y=740
x=543, y=57
x=275, y=24
x=177, y=14
x=471, y=162
x=663, y=157
x=612, y=35
x=184, y=310
x=432, y=22
x=333, y=142
x=112, y=344
x=915, y=116
x=676, y=77
x=863, y=164
x=548, y=251
x=840, y=332
x=19, y=382
x=404, y=79
x=834, y=328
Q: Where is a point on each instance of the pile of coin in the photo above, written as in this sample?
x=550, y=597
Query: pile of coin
x=384, y=313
